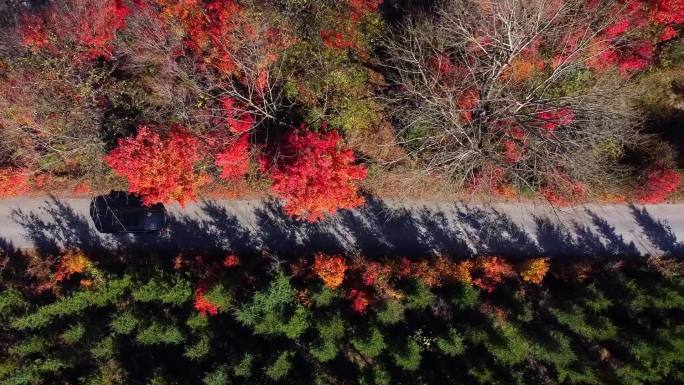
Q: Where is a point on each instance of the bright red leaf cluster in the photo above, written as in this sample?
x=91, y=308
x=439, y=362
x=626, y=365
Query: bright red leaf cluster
x=660, y=182
x=233, y=159
x=202, y=304
x=316, y=175
x=90, y=25
x=638, y=18
x=158, y=168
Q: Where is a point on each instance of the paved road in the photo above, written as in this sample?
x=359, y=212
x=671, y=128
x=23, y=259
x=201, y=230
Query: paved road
x=388, y=227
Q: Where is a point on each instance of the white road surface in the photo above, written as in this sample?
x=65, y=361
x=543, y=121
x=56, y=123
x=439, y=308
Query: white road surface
x=390, y=227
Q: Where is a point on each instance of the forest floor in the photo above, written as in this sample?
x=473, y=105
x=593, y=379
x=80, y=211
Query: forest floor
x=387, y=227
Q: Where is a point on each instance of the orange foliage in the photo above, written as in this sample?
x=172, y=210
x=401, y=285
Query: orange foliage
x=82, y=188
x=534, y=270
x=375, y=273
x=159, y=169
x=71, y=263
x=564, y=191
x=466, y=104
x=490, y=272
x=330, y=269
x=13, y=182
x=463, y=271
x=512, y=153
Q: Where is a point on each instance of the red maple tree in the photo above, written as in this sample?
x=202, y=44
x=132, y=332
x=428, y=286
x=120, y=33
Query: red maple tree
x=315, y=175
x=158, y=168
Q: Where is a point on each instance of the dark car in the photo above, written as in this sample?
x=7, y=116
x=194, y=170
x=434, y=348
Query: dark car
x=123, y=212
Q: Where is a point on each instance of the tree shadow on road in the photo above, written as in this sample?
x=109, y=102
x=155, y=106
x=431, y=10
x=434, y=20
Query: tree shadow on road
x=58, y=226
x=377, y=230
x=659, y=233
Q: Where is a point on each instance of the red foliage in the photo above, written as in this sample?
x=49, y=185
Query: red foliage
x=375, y=271
x=441, y=65
x=216, y=31
x=13, y=182
x=316, y=175
x=234, y=158
x=467, y=103
x=98, y=27
x=159, y=169
x=330, y=268
x=231, y=261
x=336, y=40
x=82, y=188
x=209, y=26
x=660, y=182
x=359, y=300
x=238, y=120
x=668, y=34
x=202, y=304
x=491, y=271
x=69, y=264
x=554, y=197
x=492, y=180
x=555, y=118
x=618, y=28
x=602, y=56
x=362, y=8
x=33, y=33
x=512, y=152
x=517, y=133
x=90, y=25
x=564, y=192
x=668, y=12
x=638, y=59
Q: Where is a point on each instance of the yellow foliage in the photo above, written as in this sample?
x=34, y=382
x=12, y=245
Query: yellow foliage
x=534, y=270
x=72, y=262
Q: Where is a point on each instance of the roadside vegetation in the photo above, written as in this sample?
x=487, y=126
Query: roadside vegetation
x=332, y=319
x=315, y=101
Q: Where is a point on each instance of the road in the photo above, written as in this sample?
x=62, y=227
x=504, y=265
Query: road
x=381, y=228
